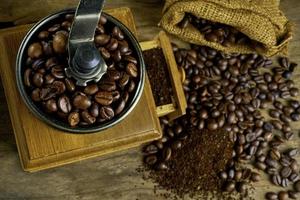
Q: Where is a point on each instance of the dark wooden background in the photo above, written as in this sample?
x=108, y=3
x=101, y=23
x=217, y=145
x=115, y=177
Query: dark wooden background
x=108, y=177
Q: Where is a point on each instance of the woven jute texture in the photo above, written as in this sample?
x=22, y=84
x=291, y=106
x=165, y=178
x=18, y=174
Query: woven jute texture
x=260, y=20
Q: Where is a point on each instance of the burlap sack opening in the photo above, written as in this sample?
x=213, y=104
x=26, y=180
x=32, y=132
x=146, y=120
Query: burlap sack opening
x=260, y=20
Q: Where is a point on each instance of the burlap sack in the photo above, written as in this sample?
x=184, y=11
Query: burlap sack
x=260, y=20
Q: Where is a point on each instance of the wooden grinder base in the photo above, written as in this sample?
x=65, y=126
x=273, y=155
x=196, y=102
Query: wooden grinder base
x=41, y=146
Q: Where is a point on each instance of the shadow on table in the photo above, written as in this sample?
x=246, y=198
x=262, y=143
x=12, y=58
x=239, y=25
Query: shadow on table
x=6, y=131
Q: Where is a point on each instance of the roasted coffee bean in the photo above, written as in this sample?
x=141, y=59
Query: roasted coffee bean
x=271, y=196
x=294, y=177
x=116, y=95
x=212, y=124
x=94, y=110
x=102, y=39
x=285, y=118
x=276, y=179
x=124, y=48
x=274, y=113
x=131, y=69
x=107, y=85
x=176, y=145
x=283, y=195
x=114, y=75
x=211, y=37
x=284, y=62
x=104, y=52
x=274, y=154
x=293, y=152
x=150, y=149
x=285, y=172
x=58, y=72
x=36, y=95
x=271, y=163
x=81, y=102
x=295, y=104
x=66, y=25
x=74, y=119
x=295, y=116
x=88, y=118
x=104, y=98
x=117, y=33
x=124, y=80
x=131, y=59
x=260, y=165
x=120, y=107
x=58, y=86
x=47, y=93
x=287, y=74
x=43, y=35
x=285, y=160
x=49, y=79
x=64, y=104
x=277, y=124
x=268, y=126
x=112, y=45
x=60, y=43
x=116, y=56
x=131, y=86
x=106, y=113
x=91, y=89
x=287, y=110
x=35, y=50
x=51, y=106
x=261, y=158
x=271, y=171
x=70, y=85
x=150, y=160
x=285, y=94
x=278, y=105
x=255, y=177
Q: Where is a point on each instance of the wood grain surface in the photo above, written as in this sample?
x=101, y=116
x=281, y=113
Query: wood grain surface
x=110, y=177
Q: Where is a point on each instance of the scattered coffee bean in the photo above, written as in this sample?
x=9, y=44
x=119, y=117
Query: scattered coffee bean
x=271, y=196
x=283, y=195
x=81, y=102
x=276, y=180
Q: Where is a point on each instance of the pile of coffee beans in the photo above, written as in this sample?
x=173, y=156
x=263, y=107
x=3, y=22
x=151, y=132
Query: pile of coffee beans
x=58, y=96
x=158, y=76
x=228, y=92
x=219, y=33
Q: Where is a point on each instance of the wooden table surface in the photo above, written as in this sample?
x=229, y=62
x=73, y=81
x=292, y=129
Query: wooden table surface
x=110, y=177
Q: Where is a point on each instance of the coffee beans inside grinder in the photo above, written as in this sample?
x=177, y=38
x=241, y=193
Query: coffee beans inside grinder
x=70, y=99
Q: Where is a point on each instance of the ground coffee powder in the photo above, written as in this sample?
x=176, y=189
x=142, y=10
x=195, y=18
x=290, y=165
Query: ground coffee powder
x=196, y=165
x=158, y=74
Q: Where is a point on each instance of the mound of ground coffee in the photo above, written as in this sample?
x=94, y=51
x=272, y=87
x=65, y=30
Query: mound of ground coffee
x=158, y=75
x=196, y=165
